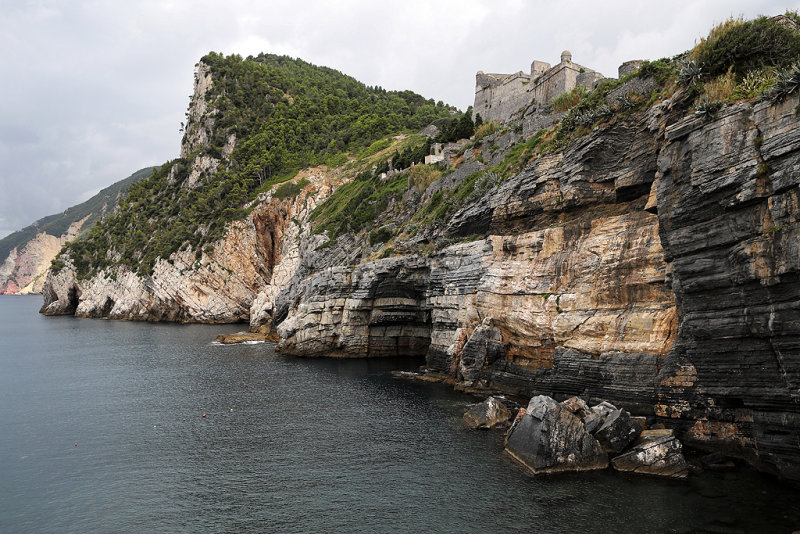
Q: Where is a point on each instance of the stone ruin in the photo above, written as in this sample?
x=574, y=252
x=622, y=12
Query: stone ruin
x=498, y=97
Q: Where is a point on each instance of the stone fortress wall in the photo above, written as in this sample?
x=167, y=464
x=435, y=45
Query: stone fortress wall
x=498, y=97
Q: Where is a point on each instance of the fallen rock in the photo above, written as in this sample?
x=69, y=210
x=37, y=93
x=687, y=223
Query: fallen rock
x=577, y=406
x=596, y=415
x=617, y=431
x=484, y=346
x=549, y=438
x=657, y=452
x=487, y=414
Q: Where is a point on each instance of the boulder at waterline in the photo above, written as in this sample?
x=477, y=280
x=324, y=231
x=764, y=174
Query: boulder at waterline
x=549, y=438
x=484, y=346
x=657, y=452
x=617, y=431
x=487, y=414
x=577, y=406
x=596, y=415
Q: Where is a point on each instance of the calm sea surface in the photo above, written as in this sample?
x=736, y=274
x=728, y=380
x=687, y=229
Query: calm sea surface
x=289, y=445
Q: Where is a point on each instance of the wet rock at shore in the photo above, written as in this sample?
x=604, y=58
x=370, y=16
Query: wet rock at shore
x=596, y=415
x=484, y=346
x=577, y=406
x=259, y=336
x=490, y=413
x=617, y=431
x=550, y=438
x=657, y=452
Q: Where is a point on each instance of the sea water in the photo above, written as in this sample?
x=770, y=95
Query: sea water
x=116, y=426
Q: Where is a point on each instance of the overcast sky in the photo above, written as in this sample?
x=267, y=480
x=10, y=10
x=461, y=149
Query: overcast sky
x=91, y=91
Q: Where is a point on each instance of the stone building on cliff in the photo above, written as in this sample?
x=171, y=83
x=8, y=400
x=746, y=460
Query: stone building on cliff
x=499, y=96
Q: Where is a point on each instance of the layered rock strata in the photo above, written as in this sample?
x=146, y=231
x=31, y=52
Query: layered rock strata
x=568, y=295
x=657, y=452
x=552, y=437
x=654, y=262
x=728, y=193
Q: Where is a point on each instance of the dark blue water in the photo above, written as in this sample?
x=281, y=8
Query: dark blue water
x=289, y=445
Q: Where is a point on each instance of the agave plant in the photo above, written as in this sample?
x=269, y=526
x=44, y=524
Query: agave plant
x=603, y=112
x=786, y=83
x=757, y=82
x=625, y=102
x=585, y=118
x=690, y=72
x=707, y=108
x=569, y=122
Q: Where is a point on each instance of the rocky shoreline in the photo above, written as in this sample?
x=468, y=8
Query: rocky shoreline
x=547, y=437
x=651, y=262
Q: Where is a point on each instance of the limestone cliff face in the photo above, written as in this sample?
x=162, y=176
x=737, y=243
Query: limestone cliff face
x=653, y=262
x=25, y=270
x=219, y=287
x=200, y=129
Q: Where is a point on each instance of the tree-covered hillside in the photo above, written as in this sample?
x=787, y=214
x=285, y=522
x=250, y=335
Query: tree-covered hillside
x=286, y=114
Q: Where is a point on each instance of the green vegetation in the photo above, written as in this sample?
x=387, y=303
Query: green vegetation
x=286, y=114
x=455, y=129
x=290, y=189
x=422, y=176
x=411, y=154
x=744, y=59
x=568, y=100
x=444, y=203
x=355, y=205
x=293, y=114
x=519, y=155
x=381, y=235
x=485, y=129
x=745, y=46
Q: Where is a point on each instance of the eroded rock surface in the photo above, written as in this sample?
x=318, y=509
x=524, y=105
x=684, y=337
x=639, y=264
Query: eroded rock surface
x=488, y=414
x=549, y=438
x=617, y=431
x=729, y=214
x=220, y=287
x=654, y=262
x=24, y=271
x=657, y=452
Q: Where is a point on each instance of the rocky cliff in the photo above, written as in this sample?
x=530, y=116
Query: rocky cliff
x=218, y=285
x=25, y=268
x=29, y=252
x=654, y=262
x=633, y=250
x=728, y=219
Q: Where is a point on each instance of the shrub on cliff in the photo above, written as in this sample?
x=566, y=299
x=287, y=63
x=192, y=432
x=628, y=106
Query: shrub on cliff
x=749, y=45
x=290, y=189
x=568, y=100
x=355, y=205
